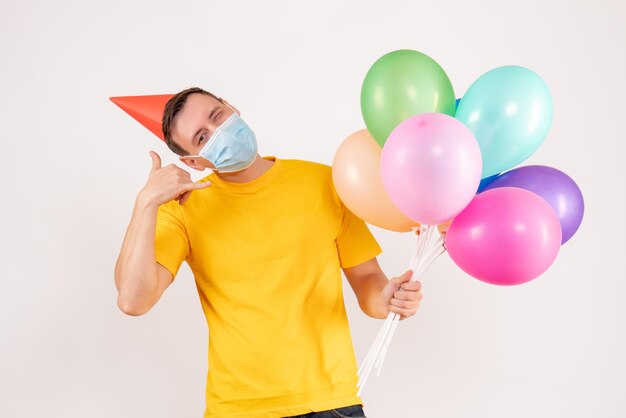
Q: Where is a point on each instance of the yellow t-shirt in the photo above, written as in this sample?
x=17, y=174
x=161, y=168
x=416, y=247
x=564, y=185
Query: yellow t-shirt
x=266, y=256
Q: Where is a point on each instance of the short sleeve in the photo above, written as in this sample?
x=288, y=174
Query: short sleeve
x=355, y=243
x=171, y=244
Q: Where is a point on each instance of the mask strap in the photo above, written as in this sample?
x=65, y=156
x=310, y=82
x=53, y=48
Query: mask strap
x=231, y=108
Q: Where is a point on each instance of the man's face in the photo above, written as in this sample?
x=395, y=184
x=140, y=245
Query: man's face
x=195, y=123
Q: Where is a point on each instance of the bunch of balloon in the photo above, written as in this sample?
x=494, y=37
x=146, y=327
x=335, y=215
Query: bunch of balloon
x=428, y=159
x=415, y=167
x=513, y=229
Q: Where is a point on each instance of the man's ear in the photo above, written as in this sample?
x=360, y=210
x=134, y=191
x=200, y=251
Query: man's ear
x=233, y=107
x=192, y=162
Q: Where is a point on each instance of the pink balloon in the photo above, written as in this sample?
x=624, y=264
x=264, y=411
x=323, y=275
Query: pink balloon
x=431, y=167
x=505, y=236
x=356, y=176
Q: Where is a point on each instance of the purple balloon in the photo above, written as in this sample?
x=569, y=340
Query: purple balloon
x=554, y=186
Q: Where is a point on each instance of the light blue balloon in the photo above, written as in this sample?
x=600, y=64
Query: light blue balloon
x=509, y=110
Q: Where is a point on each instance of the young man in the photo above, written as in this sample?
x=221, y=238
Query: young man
x=266, y=240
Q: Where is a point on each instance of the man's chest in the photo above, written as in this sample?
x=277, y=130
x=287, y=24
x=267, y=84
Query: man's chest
x=259, y=229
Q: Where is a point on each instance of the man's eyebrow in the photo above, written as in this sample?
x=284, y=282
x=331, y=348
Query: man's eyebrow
x=193, y=138
x=213, y=111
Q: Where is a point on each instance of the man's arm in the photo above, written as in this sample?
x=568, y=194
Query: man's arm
x=378, y=295
x=139, y=279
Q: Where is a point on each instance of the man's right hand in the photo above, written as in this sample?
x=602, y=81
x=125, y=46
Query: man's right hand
x=167, y=183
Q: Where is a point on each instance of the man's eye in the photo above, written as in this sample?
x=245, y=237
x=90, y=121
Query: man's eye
x=202, y=137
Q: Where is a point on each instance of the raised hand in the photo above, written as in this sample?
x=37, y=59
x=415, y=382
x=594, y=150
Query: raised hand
x=168, y=183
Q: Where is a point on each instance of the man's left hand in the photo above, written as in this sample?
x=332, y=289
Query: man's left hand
x=402, y=296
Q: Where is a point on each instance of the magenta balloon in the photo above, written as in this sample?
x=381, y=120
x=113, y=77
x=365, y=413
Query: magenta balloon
x=554, y=186
x=505, y=236
x=431, y=167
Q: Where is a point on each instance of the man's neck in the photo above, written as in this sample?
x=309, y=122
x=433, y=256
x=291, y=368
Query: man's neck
x=256, y=170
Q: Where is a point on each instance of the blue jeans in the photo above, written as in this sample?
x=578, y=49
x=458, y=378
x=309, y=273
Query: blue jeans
x=353, y=411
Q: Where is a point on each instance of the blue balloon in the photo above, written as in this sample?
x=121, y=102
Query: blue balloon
x=486, y=182
x=509, y=111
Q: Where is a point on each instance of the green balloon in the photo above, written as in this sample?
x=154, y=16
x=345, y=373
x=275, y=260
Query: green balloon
x=402, y=84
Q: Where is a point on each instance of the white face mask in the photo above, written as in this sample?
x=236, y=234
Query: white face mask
x=232, y=147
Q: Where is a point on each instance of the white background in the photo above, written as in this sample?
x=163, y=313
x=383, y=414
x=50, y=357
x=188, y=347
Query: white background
x=72, y=163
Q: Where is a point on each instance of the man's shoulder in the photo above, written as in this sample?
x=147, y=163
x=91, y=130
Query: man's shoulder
x=309, y=167
x=171, y=206
x=310, y=178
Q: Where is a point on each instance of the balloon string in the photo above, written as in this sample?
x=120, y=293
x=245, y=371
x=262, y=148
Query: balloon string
x=384, y=329
x=419, y=262
x=417, y=271
x=433, y=255
x=368, y=363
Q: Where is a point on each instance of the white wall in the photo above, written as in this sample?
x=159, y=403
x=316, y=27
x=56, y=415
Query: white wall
x=72, y=163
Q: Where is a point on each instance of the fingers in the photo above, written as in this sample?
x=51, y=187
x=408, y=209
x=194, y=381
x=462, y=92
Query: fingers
x=196, y=185
x=408, y=295
x=404, y=313
x=408, y=302
x=156, y=161
x=183, y=197
x=190, y=187
x=202, y=185
x=411, y=286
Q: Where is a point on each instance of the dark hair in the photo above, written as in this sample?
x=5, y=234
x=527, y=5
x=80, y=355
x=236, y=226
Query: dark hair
x=172, y=107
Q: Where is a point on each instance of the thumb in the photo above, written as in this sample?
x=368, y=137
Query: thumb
x=156, y=161
x=404, y=278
